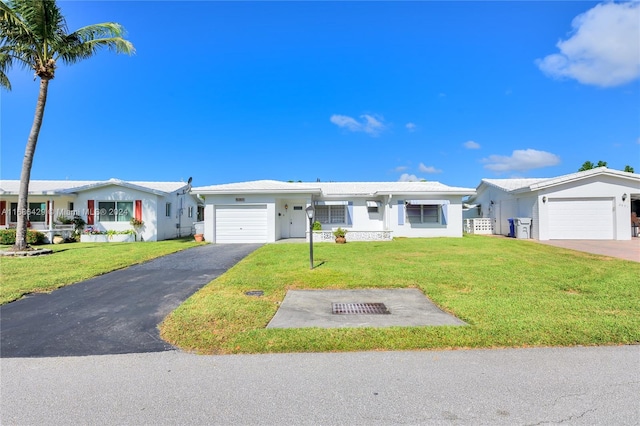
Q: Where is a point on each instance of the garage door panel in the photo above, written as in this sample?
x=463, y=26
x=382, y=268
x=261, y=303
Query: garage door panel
x=581, y=219
x=241, y=224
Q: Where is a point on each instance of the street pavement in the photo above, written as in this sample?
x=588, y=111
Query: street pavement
x=537, y=386
x=115, y=313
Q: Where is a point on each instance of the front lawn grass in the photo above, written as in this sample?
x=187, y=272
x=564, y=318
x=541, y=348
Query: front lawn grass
x=512, y=293
x=74, y=262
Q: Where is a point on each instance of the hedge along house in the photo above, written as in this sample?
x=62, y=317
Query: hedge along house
x=594, y=204
x=266, y=211
x=167, y=209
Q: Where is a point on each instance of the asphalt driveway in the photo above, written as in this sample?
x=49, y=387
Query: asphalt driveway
x=115, y=313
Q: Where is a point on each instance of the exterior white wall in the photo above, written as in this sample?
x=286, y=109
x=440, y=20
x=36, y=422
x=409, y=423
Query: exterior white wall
x=118, y=193
x=178, y=223
x=211, y=201
x=386, y=219
x=531, y=204
x=453, y=227
x=362, y=220
x=593, y=187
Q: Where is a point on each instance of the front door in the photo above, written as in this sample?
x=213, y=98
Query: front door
x=297, y=222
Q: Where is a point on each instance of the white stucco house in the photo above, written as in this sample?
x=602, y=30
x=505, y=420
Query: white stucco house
x=266, y=211
x=593, y=204
x=168, y=209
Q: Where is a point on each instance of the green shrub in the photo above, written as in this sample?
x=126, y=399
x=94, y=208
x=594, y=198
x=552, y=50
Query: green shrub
x=317, y=226
x=8, y=237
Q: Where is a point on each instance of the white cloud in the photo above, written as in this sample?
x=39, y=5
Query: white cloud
x=428, y=169
x=410, y=126
x=604, y=49
x=405, y=177
x=521, y=160
x=401, y=168
x=369, y=124
x=471, y=145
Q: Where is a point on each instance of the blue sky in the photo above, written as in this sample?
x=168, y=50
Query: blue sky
x=338, y=91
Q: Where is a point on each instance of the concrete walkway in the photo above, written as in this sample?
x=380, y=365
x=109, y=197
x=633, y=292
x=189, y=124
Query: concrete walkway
x=115, y=313
x=628, y=250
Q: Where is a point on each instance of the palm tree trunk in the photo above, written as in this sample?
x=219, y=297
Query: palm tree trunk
x=27, y=162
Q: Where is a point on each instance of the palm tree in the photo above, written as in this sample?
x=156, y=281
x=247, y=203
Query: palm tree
x=33, y=34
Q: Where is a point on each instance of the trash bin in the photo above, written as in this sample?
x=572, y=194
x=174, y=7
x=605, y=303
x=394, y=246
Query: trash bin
x=523, y=227
x=512, y=228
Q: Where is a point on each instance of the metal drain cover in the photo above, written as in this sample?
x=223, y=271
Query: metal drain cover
x=359, y=308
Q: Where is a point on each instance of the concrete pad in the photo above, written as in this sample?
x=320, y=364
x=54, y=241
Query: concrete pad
x=313, y=308
x=622, y=249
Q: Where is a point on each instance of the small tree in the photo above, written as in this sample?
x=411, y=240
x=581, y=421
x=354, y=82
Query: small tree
x=629, y=169
x=587, y=165
x=601, y=164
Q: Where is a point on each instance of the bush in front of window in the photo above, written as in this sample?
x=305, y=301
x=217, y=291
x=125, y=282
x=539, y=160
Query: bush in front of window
x=8, y=237
x=317, y=226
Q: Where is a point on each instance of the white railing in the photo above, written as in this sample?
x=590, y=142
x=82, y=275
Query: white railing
x=481, y=225
x=327, y=236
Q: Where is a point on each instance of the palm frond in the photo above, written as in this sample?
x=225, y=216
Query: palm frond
x=86, y=41
x=34, y=34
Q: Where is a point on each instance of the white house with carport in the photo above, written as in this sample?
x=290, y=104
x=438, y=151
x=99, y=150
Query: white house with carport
x=592, y=204
x=267, y=210
x=168, y=209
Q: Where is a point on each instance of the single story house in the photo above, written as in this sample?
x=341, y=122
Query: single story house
x=168, y=209
x=592, y=204
x=267, y=210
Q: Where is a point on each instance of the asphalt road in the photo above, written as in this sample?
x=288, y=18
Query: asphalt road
x=541, y=386
x=114, y=313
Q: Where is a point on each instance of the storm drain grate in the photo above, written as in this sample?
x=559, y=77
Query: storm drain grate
x=359, y=308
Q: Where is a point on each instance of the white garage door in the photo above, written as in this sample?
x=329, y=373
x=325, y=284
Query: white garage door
x=241, y=224
x=581, y=219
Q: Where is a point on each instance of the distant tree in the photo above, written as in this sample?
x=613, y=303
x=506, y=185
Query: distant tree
x=33, y=33
x=601, y=164
x=588, y=165
x=629, y=169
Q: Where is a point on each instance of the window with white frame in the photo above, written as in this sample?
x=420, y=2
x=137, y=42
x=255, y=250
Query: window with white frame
x=423, y=213
x=331, y=214
x=167, y=210
x=115, y=211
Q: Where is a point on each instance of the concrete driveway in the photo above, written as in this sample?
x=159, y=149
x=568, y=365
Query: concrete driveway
x=114, y=313
x=628, y=250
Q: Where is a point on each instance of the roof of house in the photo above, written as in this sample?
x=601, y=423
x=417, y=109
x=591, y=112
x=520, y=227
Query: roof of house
x=334, y=188
x=57, y=187
x=534, y=184
x=512, y=184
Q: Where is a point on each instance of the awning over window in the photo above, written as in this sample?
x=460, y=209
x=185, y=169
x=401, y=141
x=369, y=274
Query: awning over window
x=428, y=202
x=373, y=203
x=332, y=203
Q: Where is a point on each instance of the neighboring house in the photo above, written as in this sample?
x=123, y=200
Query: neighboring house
x=167, y=209
x=266, y=211
x=593, y=204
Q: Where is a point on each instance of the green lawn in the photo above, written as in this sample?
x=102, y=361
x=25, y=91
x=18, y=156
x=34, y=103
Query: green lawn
x=513, y=293
x=71, y=263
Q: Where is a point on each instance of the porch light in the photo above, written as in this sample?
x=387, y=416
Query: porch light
x=624, y=197
x=310, y=211
x=544, y=198
x=286, y=206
